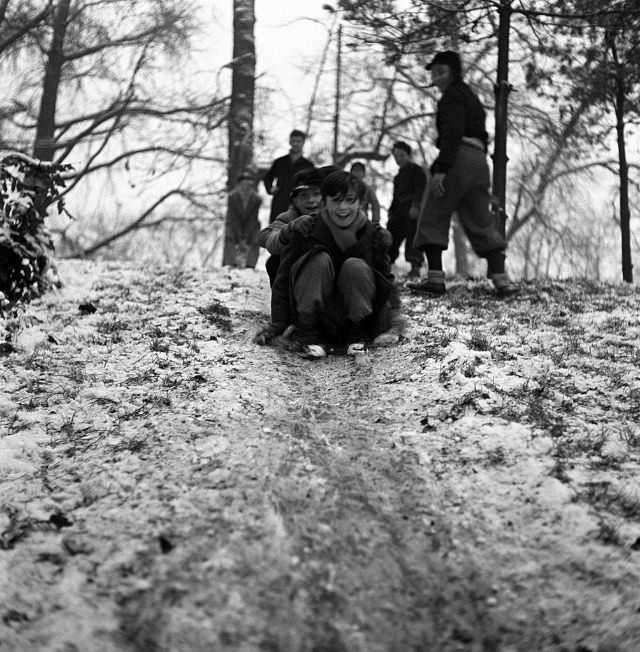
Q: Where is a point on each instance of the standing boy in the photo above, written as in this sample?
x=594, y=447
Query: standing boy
x=242, y=225
x=282, y=171
x=370, y=198
x=408, y=188
x=460, y=182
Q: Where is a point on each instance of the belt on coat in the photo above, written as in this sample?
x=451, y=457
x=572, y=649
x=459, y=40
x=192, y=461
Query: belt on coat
x=474, y=143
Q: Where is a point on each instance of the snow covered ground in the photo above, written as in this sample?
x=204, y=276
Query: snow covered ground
x=167, y=485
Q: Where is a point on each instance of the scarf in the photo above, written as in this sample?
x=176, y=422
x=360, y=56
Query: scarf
x=344, y=238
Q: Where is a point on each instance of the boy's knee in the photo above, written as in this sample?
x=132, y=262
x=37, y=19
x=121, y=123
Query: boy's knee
x=320, y=262
x=356, y=266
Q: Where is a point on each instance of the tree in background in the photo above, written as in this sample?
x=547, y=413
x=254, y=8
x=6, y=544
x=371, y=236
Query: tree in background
x=241, y=108
x=595, y=55
x=553, y=141
x=108, y=95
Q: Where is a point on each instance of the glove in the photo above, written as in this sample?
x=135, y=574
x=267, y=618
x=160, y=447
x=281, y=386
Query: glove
x=385, y=237
x=302, y=225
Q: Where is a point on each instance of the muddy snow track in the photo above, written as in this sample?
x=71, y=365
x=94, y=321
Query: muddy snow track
x=168, y=486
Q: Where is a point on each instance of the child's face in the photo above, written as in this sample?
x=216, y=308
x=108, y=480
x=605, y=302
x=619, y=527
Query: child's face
x=343, y=210
x=401, y=157
x=296, y=143
x=307, y=201
x=441, y=76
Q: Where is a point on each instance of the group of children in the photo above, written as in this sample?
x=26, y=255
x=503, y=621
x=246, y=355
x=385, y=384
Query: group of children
x=331, y=283
x=330, y=266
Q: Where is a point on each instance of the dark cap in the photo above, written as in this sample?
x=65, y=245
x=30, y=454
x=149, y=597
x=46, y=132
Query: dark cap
x=305, y=179
x=447, y=58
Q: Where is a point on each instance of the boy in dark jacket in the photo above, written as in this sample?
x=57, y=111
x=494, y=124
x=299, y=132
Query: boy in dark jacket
x=460, y=182
x=408, y=189
x=335, y=284
x=278, y=181
x=304, y=204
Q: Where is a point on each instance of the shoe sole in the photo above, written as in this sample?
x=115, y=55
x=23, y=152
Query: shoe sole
x=435, y=293
x=313, y=352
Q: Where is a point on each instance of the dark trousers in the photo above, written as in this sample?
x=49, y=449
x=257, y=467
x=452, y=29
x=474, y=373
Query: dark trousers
x=403, y=228
x=272, y=264
x=316, y=283
x=467, y=192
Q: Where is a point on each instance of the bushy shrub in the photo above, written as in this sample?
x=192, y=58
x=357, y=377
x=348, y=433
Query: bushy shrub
x=27, y=188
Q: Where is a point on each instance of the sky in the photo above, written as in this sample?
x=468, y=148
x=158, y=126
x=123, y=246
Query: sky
x=290, y=36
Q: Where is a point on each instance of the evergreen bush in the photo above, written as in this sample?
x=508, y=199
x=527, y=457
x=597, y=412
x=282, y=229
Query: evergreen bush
x=27, y=188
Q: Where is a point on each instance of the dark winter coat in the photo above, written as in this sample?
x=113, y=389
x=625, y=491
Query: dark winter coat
x=282, y=171
x=370, y=246
x=408, y=188
x=459, y=114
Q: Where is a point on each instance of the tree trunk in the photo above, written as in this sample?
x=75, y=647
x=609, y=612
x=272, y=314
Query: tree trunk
x=623, y=173
x=502, y=90
x=240, y=123
x=44, y=146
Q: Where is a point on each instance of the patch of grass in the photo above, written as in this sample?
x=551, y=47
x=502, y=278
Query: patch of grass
x=576, y=305
x=630, y=436
x=501, y=328
x=538, y=398
x=608, y=534
x=557, y=357
x=587, y=444
x=558, y=321
x=217, y=313
x=614, y=325
x=496, y=457
x=559, y=470
x=112, y=327
x=468, y=368
x=159, y=345
x=633, y=404
x=574, y=344
x=617, y=500
x=478, y=341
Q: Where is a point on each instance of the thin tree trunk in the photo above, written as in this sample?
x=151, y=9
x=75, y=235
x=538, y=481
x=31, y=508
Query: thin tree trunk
x=241, y=110
x=623, y=173
x=502, y=90
x=44, y=146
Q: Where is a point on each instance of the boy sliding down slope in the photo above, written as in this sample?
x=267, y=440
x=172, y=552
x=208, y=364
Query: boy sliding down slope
x=334, y=283
x=304, y=204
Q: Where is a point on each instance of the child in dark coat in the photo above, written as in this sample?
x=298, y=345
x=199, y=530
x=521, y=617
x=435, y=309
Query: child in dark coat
x=334, y=284
x=304, y=204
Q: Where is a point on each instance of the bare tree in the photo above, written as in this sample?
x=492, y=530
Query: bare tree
x=240, y=122
x=105, y=105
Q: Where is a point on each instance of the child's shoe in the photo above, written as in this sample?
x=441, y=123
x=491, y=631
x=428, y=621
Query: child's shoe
x=432, y=284
x=313, y=352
